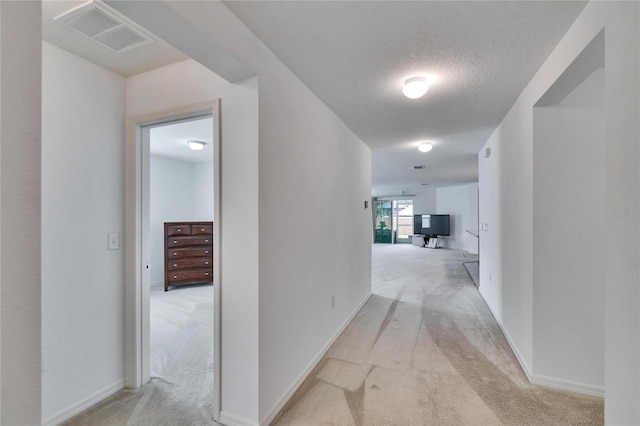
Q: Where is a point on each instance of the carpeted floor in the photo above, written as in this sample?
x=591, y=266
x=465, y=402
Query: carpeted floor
x=473, y=269
x=425, y=350
x=181, y=387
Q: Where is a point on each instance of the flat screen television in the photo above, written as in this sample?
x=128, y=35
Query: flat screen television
x=431, y=224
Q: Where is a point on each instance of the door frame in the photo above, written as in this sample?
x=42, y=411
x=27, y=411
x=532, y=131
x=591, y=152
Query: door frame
x=396, y=220
x=137, y=275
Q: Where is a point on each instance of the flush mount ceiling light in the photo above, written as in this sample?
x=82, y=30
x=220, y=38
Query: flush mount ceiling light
x=415, y=87
x=196, y=145
x=425, y=147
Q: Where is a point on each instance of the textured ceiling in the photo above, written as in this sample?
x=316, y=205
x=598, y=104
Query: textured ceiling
x=355, y=56
x=134, y=61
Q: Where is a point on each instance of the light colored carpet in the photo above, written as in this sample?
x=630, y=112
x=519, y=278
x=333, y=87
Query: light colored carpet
x=181, y=388
x=473, y=268
x=425, y=350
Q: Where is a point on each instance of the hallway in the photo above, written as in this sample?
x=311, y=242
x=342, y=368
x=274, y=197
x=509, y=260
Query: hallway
x=426, y=350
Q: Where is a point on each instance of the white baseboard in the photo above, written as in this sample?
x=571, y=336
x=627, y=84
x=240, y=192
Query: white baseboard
x=228, y=419
x=80, y=406
x=567, y=385
x=314, y=362
x=549, y=382
x=523, y=364
x=157, y=284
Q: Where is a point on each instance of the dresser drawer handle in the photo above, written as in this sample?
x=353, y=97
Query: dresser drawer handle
x=206, y=241
x=206, y=273
x=175, y=277
x=206, y=251
x=202, y=229
x=175, y=265
x=179, y=229
x=175, y=254
x=175, y=242
x=206, y=263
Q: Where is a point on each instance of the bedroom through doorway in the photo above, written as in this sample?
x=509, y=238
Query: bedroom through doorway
x=177, y=256
x=181, y=260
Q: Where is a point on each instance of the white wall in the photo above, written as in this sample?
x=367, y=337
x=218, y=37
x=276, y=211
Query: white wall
x=179, y=192
x=568, y=236
x=310, y=163
x=473, y=243
x=20, y=59
x=171, y=199
x=322, y=177
x=203, y=188
x=82, y=201
x=459, y=203
x=506, y=205
x=425, y=202
x=189, y=83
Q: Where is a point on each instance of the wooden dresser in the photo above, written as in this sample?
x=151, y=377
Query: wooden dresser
x=188, y=248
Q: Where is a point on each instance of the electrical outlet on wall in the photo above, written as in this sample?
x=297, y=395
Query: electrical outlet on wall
x=114, y=241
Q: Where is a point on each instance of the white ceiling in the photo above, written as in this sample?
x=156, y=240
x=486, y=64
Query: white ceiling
x=135, y=61
x=171, y=140
x=355, y=56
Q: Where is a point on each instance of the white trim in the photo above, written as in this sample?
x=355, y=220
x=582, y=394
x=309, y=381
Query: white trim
x=136, y=304
x=133, y=339
x=157, y=284
x=546, y=381
x=314, y=362
x=228, y=419
x=567, y=385
x=523, y=364
x=217, y=258
x=79, y=407
x=144, y=165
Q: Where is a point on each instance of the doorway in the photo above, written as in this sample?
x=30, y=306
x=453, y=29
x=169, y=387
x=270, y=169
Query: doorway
x=403, y=215
x=181, y=180
x=143, y=242
x=393, y=221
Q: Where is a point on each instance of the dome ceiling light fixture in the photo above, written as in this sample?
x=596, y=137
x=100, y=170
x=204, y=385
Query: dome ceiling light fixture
x=196, y=145
x=425, y=147
x=415, y=87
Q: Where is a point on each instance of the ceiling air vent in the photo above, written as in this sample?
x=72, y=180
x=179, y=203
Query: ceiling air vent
x=96, y=21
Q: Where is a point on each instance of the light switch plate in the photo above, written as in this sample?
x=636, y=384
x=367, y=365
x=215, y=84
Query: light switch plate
x=114, y=241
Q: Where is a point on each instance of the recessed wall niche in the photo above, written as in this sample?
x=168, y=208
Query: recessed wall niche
x=568, y=225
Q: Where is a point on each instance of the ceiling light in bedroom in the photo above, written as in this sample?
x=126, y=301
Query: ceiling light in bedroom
x=196, y=145
x=425, y=147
